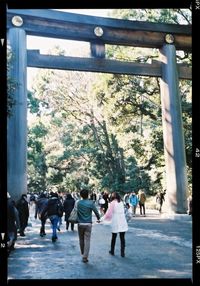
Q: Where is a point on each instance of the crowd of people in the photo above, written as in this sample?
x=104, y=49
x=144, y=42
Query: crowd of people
x=55, y=206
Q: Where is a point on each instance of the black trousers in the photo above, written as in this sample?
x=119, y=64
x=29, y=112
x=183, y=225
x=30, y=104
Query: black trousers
x=142, y=208
x=68, y=223
x=42, y=228
x=122, y=241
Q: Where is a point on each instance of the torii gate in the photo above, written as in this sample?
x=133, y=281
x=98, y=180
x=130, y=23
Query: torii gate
x=99, y=31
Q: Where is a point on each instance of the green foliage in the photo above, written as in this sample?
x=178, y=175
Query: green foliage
x=171, y=16
x=33, y=103
x=103, y=131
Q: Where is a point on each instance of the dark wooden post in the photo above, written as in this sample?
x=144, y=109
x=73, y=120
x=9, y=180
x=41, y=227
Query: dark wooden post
x=174, y=147
x=97, y=50
x=17, y=123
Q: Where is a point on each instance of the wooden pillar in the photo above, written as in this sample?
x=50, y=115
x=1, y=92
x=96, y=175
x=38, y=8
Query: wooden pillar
x=174, y=147
x=17, y=123
x=97, y=50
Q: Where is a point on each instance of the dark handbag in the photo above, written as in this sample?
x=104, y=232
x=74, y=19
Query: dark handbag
x=73, y=218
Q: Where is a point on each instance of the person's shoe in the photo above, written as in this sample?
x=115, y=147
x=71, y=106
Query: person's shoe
x=122, y=255
x=22, y=234
x=84, y=259
x=54, y=239
x=42, y=233
x=58, y=228
x=111, y=252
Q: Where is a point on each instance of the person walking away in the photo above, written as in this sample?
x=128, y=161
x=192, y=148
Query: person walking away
x=32, y=199
x=53, y=215
x=85, y=207
x=93, y=197
x=41, y=212
x=23, y=209
x=133, y=201
x=13, y=223
x=127, y=200
x=60, y=197
x=159, y=201
x=142, y=200
x=68, y=205
x=101, y=202
x=116, y=214
x=106, y=199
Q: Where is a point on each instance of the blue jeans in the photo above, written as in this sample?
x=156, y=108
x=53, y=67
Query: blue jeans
x=54, y=223
x=59, y=221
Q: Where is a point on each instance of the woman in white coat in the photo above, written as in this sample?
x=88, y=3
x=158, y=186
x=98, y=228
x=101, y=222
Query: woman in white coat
x=116, y=214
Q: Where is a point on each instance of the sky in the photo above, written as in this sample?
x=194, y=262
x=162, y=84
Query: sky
x=92, y=12
x=72, y=48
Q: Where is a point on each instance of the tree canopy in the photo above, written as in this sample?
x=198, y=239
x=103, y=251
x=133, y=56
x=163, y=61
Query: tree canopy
x=103, y=131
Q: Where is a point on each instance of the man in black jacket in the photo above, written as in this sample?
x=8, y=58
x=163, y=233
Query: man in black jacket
x=12, y=223
x=41, y=212
x=53, y=213
x=23, y=209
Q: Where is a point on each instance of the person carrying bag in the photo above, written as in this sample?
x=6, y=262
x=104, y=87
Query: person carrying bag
x=73, y=218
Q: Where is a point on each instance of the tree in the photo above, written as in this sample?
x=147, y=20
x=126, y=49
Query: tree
x=105, y=130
